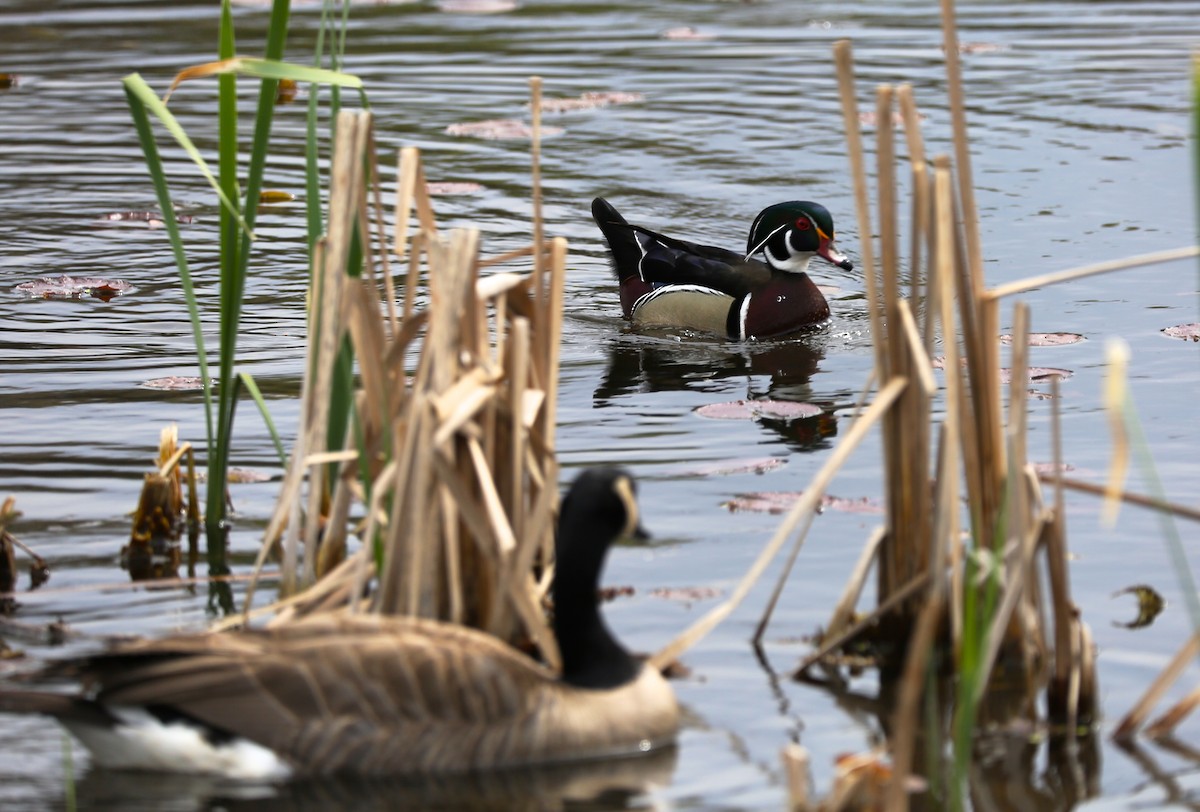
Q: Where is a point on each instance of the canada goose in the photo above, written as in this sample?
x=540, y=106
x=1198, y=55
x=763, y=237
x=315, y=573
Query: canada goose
x=380, y=695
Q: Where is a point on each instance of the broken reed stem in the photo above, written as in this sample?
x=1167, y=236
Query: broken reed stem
x=839, y=640
x=1138, y=499
x=1137, y=715
x=962, y=151
x=1164, y=726
x=843, y=612
x=844, y=59
x=803, y=507
x=908, y=703
x=535, y=155
x=1071, y=274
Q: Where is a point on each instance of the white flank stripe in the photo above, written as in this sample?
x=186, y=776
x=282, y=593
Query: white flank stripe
x=743, y=314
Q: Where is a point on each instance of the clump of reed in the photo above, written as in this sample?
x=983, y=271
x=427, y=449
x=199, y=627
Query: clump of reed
x=451, y=447
x=239, y=189
x=974, y=612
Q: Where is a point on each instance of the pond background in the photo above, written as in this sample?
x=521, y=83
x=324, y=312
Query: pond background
x=1078, y=116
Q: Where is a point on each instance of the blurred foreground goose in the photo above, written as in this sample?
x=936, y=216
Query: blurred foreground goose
x=380, y=695
x=674, y=283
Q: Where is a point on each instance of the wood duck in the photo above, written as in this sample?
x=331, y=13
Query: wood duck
x=673, y=283
x=369, y=694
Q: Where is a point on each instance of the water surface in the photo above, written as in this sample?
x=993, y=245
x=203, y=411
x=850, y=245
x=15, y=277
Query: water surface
x=1078, y=114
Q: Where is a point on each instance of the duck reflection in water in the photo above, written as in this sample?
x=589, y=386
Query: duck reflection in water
x=659, y=361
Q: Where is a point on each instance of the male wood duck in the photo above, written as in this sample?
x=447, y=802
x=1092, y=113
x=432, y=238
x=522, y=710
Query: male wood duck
x=674, y=283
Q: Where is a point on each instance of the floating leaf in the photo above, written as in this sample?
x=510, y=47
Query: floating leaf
x=611, y=593
x=1184, y=331
x=685, y=32
x=1046, y=339
x=1150, y=605
x=245, y=476
x=9, y=80
x=781, y=501
x=686, y=594
x=285, y=93
x=453, y=188
x=174, y=382
x=590, y=101
x=74, y=287
x=751, y=409
x=498, y=129
x=476, y=6
x=270, y=197
x=151, y=219
x=1049, y=468
x=1035, y=374
x=759, y=466
x=981, y=48
x=1040, y=374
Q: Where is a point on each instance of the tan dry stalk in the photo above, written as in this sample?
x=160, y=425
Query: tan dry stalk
x=535, y=173
x=844, y=59
x=804, y=506
x=1164, y=726
x=837, y=641
x=955, y=428
x=1136, y=717
x=796, y=766
x=1071, y=274
x=843, y=612
x=908, y=702
x=1138, y=499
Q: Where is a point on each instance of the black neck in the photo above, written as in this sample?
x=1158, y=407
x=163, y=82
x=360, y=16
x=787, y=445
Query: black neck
x=591, y=657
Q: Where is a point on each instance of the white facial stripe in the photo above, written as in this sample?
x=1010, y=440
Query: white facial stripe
x=765, y=240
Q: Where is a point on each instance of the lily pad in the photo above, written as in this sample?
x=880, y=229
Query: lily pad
x=175, y=382
x=686, y=594
x=246, y=476
x=453, y=188
x=751, y=409
x=1046, y=339
x=74, y=287
x=1035, y=374
x=476, y=6
x=590, y=101
x=782, y=501
x=149, y=219
x=499, y=129
x=685, y=32
x=1185, y=331
x=759, y=466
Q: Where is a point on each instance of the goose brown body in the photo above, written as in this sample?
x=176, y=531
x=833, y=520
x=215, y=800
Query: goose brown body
x=371, y=694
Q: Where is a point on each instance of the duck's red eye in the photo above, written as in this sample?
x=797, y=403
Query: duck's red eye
x=802, y=224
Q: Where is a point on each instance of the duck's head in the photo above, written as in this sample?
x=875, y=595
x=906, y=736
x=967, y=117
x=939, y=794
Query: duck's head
x=790, y=234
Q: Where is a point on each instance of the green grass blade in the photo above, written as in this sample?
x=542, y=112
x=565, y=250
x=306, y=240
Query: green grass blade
x=256, y=395
x=134, y=84
x=136, y=92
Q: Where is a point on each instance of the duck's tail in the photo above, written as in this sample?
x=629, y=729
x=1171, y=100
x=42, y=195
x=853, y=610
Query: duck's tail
x=625, y=253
